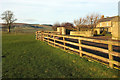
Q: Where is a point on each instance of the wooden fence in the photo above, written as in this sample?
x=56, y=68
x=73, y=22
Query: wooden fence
x=53, y=38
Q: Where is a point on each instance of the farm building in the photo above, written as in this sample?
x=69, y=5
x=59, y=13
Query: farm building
x=109, y=24
x=104, y=24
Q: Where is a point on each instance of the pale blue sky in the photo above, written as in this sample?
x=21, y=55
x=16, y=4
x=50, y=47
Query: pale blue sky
x=51, y=11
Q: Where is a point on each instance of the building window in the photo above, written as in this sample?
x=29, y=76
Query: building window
x=107, y=24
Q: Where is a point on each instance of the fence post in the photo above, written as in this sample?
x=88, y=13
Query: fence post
x=37, y=35
x=54, y=40
x=48, y=37
x=64, y=42
x=43, y=36
x=110, y=49
x=80, y=48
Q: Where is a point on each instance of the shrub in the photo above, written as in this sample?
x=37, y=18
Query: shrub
x=108, y=35
x=104, y=33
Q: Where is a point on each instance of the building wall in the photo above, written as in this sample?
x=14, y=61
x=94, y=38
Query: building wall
x=98, y=30
x=104, y=24
x=116, y=29
x=81, y=33
x=62, y=30
x=107, y=24
x=110, y=29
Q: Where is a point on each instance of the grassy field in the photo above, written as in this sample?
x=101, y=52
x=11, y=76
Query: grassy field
x=28, y=29
x=24, y=57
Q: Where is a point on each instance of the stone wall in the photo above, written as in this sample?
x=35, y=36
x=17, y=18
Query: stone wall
x=62, y=30
x=104, y=24
x=98, y=30
x=116, y=29
x=81, y=33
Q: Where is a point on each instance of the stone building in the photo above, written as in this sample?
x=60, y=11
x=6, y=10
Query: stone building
x=116, y=28
x=104, y=24
x=62, y=30
x=109, y=24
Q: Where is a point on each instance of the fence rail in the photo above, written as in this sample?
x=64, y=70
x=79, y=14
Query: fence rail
x=55, y=39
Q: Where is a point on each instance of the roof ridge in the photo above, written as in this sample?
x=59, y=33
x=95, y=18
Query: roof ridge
x=106, y=19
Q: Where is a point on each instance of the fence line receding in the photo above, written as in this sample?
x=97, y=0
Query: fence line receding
x=54, y=38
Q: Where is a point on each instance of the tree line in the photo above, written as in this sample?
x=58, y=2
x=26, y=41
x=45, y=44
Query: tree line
x=67, y=25
x=88, y=22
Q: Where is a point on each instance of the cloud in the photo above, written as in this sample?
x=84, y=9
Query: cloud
x=56, y=10
x=30, y=20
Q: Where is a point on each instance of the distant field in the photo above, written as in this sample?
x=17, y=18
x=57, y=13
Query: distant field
x=25, y=57
x=29, y=29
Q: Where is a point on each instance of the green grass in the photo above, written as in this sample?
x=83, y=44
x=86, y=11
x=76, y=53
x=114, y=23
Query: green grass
x=109, y=35
x=24, y=57
x=30, y=29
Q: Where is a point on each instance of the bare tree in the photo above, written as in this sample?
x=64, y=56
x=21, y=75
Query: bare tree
x=88, y=22
x=93, y=19
x=9, y=19
x=67, y=25
x=80, y=23
x=57, y=24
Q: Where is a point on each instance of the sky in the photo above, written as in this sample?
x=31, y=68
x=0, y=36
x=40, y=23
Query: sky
x=52, y=11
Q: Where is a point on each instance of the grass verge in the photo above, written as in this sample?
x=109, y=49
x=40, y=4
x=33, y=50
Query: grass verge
x=24, y=57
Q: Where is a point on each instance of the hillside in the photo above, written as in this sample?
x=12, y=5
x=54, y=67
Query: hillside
x=23, y=27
